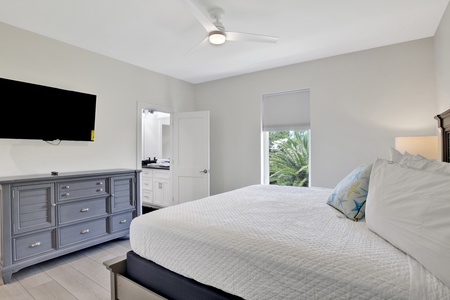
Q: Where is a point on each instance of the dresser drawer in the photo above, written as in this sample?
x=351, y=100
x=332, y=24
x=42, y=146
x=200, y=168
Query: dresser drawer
x=83, y=188
x=33, y=244
x=80, y=232
x=121, y=222
x=80, y=210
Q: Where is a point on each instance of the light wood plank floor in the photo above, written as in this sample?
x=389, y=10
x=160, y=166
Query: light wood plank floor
x=80, y=275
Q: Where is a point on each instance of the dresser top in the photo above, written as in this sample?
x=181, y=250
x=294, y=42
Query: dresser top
x=65, y=175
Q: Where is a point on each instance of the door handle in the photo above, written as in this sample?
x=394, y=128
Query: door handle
x=204, y=171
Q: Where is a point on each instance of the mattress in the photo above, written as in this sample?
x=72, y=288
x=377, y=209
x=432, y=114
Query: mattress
x=274, y=242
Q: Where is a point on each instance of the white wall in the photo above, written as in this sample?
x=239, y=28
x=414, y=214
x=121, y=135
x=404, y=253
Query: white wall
x=359, y=103
x=119, y=86
x=442, y=52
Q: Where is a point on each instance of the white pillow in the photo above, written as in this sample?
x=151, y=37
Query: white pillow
x=416, y=162
x=410, y=208
x=395, y=155
x=420, y=162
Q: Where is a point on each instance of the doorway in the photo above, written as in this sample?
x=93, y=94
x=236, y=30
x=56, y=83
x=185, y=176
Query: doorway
x=188, y=156
x=153, y=153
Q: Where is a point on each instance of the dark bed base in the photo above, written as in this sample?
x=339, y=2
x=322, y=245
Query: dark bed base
x=169, y=284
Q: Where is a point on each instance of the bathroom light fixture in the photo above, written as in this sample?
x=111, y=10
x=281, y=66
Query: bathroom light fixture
x=217, y=38
x=148, y=113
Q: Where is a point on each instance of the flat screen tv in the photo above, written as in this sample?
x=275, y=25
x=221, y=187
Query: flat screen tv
x=37, y=112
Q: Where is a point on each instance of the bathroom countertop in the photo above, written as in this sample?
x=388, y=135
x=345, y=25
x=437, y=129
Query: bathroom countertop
x=156, y=167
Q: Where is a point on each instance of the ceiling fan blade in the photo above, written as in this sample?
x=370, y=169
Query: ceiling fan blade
x=249, y=37
x=201, y=44
x=200, y=16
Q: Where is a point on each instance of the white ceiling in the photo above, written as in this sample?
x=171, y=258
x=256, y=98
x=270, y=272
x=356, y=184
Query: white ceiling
x=158, y=34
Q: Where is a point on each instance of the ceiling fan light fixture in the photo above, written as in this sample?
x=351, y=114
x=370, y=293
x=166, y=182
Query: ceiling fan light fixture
x=217, y=38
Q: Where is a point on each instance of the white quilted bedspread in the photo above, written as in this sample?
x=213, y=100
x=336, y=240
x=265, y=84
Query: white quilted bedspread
x=272, y=242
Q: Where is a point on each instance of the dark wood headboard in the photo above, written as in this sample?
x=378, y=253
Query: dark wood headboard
x=444, y=128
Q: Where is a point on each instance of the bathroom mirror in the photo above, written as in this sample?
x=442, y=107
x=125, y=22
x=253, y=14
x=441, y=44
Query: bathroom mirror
x=156, y=135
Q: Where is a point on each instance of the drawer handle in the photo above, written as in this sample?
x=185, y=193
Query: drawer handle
x=100, y=183
x=100, y=190
x=86, y=209
x=84, y=231
x=35, y=244
x=67, y=187
x=66, y=194
x=123, y=222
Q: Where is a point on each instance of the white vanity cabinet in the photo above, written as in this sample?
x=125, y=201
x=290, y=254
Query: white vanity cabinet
x=156, y=188
x=162, y=190
x=147, y=187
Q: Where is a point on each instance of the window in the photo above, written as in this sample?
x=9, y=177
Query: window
x=289, y=158
x=286, y=134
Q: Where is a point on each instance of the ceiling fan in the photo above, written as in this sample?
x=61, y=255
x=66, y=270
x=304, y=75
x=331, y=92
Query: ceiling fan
x=216, y=31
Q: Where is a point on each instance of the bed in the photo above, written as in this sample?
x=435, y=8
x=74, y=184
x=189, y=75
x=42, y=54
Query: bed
x=382, y=233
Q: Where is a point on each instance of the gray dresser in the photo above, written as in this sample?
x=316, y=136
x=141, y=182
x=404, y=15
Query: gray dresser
x=45, y=216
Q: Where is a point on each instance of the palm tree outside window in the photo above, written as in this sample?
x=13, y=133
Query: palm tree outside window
x=289, y=158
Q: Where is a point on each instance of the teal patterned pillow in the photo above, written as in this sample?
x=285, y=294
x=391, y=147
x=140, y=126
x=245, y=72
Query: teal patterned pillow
x=349, y=196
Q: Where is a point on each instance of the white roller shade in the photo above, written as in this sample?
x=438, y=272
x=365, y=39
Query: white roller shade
x=286, y=111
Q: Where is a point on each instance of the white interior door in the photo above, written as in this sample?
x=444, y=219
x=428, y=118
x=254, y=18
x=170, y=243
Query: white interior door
x=190, y=157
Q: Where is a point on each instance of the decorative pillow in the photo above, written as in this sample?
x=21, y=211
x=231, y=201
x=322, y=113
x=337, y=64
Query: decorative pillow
x=349, y=196
x=410, y=208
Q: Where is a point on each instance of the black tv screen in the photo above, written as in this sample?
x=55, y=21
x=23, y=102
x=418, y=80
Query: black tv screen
x=37, y=112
